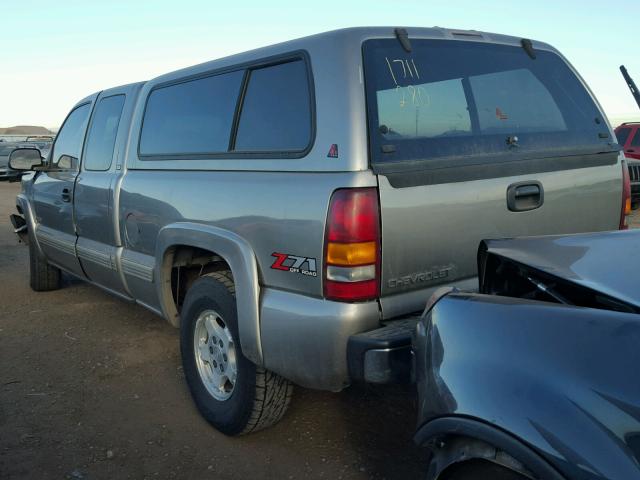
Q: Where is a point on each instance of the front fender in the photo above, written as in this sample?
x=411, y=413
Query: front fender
x=240, y=257
x=562, y=380
x=23, y=204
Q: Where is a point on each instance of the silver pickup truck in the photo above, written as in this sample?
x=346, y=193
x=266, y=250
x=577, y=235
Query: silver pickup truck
x=292, y=207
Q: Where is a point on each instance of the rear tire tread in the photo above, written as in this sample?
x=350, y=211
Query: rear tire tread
x=42, y=276
x=273, y=392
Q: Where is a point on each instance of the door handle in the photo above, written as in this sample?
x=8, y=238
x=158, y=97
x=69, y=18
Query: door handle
x=66, y=195
x=631, y=150
x=524, y=196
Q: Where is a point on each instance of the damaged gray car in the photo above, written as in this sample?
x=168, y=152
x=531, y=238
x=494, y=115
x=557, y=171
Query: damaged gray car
x=536, y=376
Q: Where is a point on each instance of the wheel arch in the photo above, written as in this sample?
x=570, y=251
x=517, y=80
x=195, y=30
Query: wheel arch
x=24, y=207
x=236, y=253
x=454, y=440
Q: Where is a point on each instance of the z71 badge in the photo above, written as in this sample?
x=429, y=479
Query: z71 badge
x=294, y=264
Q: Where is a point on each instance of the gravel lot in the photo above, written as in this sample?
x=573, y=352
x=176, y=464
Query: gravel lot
x=91, y=387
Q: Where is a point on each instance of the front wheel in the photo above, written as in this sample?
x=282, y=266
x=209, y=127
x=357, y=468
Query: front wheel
x=42, y=276
x=231, y=393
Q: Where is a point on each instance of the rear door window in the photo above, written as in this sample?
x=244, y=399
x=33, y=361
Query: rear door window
x=192, y=117
x=455, y=99
x=635, y=141
x=102, y=133
x=276, y=111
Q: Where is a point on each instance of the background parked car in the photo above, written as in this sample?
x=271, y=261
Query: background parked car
x=5, y=149
x=628, y=135
x=40, y=142
x=634, y=175
x=40, y=138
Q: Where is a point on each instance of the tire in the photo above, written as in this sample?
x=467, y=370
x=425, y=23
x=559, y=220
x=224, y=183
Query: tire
x=256, y=398
x=42, y=276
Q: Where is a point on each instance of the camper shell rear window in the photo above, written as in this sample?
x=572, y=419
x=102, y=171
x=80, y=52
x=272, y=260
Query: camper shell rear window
x=450, y=100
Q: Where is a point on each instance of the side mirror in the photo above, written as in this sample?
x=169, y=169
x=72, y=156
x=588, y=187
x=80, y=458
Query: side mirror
x=24, y=159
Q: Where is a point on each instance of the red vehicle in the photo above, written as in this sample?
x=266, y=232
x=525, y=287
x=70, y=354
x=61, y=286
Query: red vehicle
x=628, y=135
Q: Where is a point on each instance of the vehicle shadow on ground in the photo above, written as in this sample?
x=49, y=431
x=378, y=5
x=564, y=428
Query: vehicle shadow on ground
x=382, y=420
x=375, y=424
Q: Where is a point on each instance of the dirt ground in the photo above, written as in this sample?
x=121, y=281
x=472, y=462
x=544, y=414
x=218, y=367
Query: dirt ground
x=91, y=387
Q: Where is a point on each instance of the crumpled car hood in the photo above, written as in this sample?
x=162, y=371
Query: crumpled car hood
x=608, y=262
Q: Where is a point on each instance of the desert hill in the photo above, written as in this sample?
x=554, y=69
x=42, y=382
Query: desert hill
x=25, y=130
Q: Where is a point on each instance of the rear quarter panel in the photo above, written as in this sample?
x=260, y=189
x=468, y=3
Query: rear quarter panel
x=273, y=211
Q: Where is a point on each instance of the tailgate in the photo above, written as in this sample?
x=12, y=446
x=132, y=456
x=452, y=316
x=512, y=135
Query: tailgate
x=430, y=233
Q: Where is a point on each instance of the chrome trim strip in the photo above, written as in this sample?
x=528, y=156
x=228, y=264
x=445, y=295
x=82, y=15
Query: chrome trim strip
x=138, y=270
x=57, y=243
x=95, y=256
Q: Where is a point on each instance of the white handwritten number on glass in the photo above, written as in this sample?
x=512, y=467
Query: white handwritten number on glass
x=417, y=94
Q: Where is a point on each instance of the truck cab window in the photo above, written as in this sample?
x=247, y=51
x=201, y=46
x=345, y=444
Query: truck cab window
x=102, y=133
x=68, y=145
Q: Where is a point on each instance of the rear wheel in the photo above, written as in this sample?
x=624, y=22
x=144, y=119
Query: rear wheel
x=232, y=394
x=42, y=276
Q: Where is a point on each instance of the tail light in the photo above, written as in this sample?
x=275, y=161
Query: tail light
x=352, y=246
x=626, y=196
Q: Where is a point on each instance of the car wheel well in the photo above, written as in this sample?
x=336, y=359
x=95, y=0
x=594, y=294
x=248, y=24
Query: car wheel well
x=456, y=456
x=455, y=439
x=182, y=266
x=480, y=468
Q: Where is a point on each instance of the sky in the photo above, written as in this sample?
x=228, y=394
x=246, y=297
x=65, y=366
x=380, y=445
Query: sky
x=55, y=53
